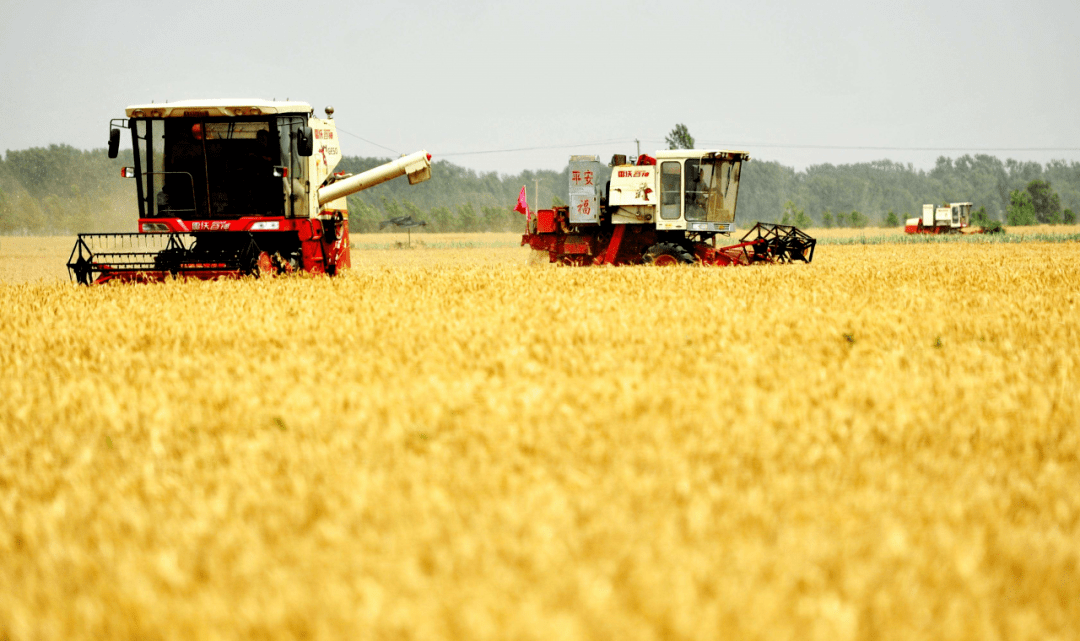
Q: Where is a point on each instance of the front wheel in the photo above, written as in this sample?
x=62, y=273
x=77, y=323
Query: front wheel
x=667, y=254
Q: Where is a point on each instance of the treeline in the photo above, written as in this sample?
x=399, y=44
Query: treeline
x=454, y=199
x=63, y=190
x=866, y=193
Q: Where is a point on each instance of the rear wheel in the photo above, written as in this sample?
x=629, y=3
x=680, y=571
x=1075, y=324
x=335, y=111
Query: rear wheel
x=667, y=254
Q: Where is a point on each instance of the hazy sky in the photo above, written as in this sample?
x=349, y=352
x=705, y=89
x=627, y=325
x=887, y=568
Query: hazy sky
x=793, y=81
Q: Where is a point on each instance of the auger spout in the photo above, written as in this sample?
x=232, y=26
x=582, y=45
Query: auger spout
x=417, y=166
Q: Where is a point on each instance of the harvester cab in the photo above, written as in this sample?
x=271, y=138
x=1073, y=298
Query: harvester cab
x=697, y=190
x=232, y=187
x=662, y=209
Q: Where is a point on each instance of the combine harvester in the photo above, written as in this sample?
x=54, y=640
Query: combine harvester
x=232, y=188
x=661, y=211
x=947, y=219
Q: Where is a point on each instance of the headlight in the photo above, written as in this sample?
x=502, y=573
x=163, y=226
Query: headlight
x=155, y=228
x=266, y=225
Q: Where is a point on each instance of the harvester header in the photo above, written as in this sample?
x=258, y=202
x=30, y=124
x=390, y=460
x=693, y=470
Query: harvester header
x=229, y=187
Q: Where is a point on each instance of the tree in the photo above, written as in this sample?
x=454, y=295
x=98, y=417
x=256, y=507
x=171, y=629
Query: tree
x=1068, y=217
x=802, y=220
x=1046, y=202
x=680, y=138
x=891, y=220
x=795, y=216
x=980, y=217
x=467, y=219
x=788, y=217
x=842, y=219
x=858, y=219
x=1021, y=211
x=363, y=218
x=391, y=207
x=827, y=219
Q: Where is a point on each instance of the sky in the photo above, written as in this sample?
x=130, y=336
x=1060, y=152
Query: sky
x=510, y=85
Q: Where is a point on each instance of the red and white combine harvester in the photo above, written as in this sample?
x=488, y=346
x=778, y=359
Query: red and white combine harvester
x=660, y=210
x=230, y=188
x=947, y=219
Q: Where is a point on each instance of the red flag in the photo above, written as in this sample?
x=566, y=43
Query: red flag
x=523, y=204
x=523, y=208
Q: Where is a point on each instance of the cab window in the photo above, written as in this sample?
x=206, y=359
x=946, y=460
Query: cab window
x=696, y=196
x=670, y=189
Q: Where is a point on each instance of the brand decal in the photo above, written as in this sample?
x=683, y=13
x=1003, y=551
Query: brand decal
x=634, y=173
x=211, y=225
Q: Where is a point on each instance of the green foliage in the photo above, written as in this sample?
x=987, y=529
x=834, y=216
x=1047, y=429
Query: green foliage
x=557, y=202
x=62, y=190
x=827, y=220
x=1021, y=210
x=680, y=138
x=363, y=218
x=842, y=219
x=802, y=220
x=1046, y=202
x=979, y=217
x=933, y=239
x=795, y=216
x=858, y=220
x=467, y=218
x=455, y=191
x=883, y=185
x=891, y=220
x=1068, y=217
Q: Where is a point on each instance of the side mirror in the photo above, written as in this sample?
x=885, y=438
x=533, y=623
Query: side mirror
x=304, y=141
x=114, y=142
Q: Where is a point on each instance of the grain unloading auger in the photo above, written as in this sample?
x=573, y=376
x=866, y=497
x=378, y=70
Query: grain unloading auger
x=660, y=210
x=229, y=188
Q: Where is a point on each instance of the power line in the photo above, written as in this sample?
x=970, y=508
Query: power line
x=877, y=148
x=369, y=141
x=500, y=151
x=728, y=144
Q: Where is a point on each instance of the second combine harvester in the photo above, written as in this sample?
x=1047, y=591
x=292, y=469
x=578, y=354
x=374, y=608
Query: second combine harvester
x=661, y=210
x=232, y=187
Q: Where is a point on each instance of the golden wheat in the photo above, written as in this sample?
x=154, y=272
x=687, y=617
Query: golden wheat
x=880, y=445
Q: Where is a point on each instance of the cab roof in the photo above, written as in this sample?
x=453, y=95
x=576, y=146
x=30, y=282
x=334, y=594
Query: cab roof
x=220, y=107
x=702, y=153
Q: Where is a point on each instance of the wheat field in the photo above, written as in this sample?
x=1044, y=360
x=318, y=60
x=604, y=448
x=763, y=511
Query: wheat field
x=455, y=444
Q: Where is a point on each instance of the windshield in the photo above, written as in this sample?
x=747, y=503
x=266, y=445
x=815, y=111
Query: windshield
x=218, y=169
x=712, y=187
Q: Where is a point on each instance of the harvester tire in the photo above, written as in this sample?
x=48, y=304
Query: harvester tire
x=667, y=254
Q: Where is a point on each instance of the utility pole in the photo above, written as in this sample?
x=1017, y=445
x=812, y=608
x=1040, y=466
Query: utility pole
x=536, y=194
